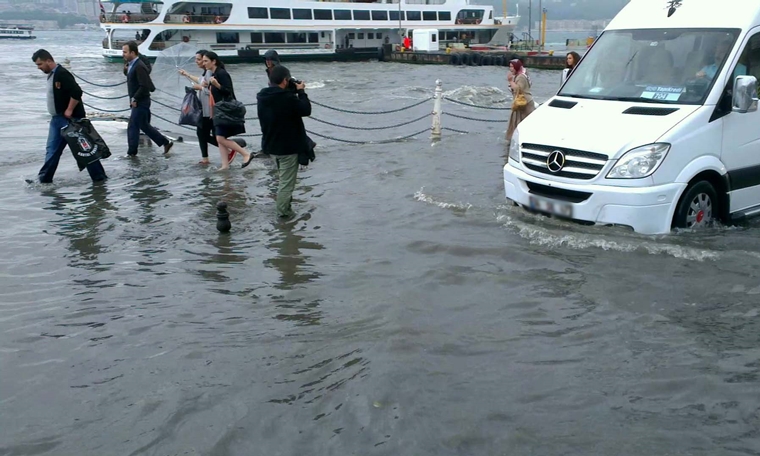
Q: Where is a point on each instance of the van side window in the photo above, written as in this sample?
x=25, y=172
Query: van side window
x=751, y=56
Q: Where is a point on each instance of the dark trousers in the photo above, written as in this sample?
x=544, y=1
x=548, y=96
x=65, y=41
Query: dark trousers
x=206, y=135
x=139, y=120
x=55, y=145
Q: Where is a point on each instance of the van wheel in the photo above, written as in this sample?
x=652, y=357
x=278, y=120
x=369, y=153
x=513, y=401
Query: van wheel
x=698, y=207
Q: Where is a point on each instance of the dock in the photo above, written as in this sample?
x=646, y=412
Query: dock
x=477, y=58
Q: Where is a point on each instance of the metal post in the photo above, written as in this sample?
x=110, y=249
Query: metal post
x=543, y=28
x=530, y=20
x=540, y=24
x=436, y=131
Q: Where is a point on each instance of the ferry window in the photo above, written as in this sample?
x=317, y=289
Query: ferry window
x=314, y=37
x=323, y=34
x=296, y=37
x=227, y=37
x=301, y=14
x=444, y=15
x=274, y=37
x=370, y=36
x=361, y=36
x=429, y=15
x=258, y=13
x=351, y=36
x=490, y=15
x=342, y=15
x=279, y=13
x=257, y=37
x=413, y=16
x=380, y=15
x=470, y=16
x=394, y=15
x=323, y=15
x=434, y=37
x=361, y=15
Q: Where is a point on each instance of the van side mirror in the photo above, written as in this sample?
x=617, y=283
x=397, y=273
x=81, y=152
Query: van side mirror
x=745, y=95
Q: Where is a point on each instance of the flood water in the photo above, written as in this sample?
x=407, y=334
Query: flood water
x=406, y=310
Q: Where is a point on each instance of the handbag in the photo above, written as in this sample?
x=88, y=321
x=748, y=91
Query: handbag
x=520, y=101
x=229, y=113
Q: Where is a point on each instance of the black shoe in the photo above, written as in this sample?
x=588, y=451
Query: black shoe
x=168, y=146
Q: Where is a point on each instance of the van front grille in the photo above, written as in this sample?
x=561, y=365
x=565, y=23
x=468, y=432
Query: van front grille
x=578, y=164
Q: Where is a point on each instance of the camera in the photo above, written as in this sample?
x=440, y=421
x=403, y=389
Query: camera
x=292, y=84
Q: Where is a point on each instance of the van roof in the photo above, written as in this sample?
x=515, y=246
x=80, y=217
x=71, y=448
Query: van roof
x=639, y=14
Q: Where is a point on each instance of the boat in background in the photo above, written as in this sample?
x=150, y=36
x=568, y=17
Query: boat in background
x=338, y=30
x=16, y=32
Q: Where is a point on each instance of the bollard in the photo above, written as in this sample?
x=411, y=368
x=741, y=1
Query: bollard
x=437, y=109
x=222, y=218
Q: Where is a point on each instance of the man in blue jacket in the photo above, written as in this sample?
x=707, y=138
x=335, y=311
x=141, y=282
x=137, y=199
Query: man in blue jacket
x=64, y=102
x=281, y=112
x=139, y=87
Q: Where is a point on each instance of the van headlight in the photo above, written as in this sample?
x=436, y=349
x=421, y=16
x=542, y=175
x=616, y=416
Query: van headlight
x=639, y=162
x=514, y=147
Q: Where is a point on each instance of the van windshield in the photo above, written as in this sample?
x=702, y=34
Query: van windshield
x=653, y=66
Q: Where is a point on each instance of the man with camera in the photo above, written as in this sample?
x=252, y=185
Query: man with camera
x=281, y=109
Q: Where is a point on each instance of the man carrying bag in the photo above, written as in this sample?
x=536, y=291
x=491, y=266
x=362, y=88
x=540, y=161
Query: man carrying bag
x=64, y=103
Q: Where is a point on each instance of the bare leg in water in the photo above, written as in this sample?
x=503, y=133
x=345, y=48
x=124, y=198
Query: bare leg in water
x=225, y=145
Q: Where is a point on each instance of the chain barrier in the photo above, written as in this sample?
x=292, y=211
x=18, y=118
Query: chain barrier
x=95, y=83
x=473, y=118
x=455, y=130
x=476, y=106
x=409, y=122
x=166, y=105
x=250, y=104
x=372, y=112
x=103, y=98
x=106, y=110
x=382, y=141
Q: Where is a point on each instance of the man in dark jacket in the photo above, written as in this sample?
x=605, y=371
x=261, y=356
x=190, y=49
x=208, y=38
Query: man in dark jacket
x=64, y=102
x=139, y=87
x=281, y=113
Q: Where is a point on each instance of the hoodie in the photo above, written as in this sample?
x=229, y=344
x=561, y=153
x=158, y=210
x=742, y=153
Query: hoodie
x=281, y=114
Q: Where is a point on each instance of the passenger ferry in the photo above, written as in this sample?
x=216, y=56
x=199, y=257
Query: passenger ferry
x=243, y=30
x=16, y=32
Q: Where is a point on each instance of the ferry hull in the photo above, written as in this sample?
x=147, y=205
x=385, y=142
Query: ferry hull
x=350, y=55
x=18, y=37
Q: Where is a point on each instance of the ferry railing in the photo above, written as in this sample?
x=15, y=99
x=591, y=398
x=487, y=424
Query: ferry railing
x=123, y=18
x=435, y=116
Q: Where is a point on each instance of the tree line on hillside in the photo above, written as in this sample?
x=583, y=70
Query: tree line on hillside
x=63, y=19
x=567, y=9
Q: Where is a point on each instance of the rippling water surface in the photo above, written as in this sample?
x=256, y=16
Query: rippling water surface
x=407, y=310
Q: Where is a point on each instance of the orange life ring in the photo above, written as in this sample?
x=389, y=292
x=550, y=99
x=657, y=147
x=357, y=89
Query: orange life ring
x=459, y=21
x=186, y=19
x=477, y=21
x=124, y=18
x=217, y=20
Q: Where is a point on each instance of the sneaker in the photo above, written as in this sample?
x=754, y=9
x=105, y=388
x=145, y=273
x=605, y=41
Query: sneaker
x=231, y=156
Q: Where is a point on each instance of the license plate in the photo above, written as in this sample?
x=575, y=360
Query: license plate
x=559, y=208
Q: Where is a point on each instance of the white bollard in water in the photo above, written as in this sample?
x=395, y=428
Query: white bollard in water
x=437, y=109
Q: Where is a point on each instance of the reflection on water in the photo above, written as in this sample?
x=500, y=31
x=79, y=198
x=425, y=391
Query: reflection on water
x=82, y=221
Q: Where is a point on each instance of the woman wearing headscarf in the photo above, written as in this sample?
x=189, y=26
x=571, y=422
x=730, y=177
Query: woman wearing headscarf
x=519, y=84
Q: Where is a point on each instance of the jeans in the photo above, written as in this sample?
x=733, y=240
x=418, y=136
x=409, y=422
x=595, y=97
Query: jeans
x=139, y=119
x=206, y=135
x=54, y=148
x=287, y=165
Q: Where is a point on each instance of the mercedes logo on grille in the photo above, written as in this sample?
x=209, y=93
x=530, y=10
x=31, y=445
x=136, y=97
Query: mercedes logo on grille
x=555, y=161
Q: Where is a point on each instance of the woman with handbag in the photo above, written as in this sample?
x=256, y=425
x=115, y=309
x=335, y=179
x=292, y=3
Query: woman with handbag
x=222, y=91
x=522, y=106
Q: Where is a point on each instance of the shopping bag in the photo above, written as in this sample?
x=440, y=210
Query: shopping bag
x=85, y=143
x=192, y=110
